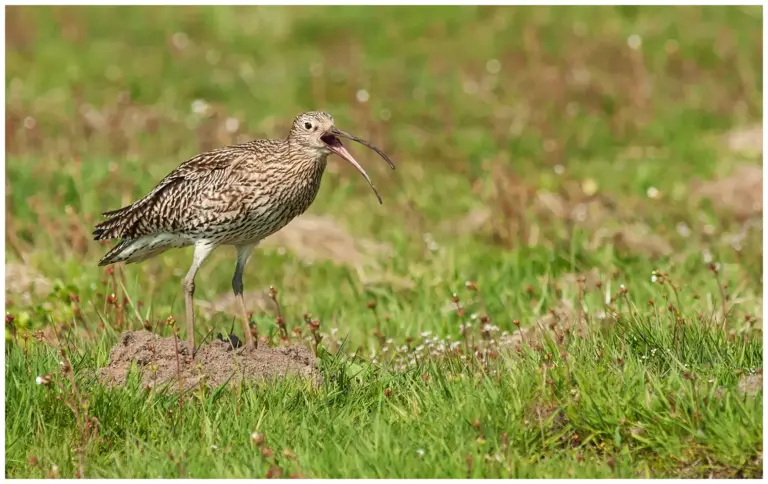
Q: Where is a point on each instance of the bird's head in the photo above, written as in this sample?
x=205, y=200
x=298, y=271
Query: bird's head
x=315, y=131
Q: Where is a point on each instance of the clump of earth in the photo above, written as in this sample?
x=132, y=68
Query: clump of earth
x=214, y=363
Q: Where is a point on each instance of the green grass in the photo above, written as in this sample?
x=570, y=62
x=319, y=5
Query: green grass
x=482, y=110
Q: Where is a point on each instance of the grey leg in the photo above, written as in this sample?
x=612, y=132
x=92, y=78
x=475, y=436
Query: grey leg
x=202, y=250
x=243, y=253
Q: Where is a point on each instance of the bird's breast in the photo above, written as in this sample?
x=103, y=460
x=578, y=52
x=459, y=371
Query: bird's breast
x=267, y=211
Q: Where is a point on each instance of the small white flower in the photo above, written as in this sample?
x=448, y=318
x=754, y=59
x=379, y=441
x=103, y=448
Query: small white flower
x=634, y=41
x=231, y=125
x=214, y=447
x=683, y=229
x=493, y=66
x=471, y=87
x=600, y=315
x=362, y=96
x=39, y=380
x=420, y=452
x=199, y=106
x=180, y=40
x=426, y=333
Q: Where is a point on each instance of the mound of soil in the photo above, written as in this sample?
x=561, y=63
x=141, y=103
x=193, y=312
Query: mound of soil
x=213, y=364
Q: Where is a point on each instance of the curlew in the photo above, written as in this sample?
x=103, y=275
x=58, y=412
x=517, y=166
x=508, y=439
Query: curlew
x=235, y=195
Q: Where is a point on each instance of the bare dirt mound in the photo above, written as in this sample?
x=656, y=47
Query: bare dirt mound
x=215, y=363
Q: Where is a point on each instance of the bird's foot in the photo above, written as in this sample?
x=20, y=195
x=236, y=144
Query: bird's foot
x=231, y=340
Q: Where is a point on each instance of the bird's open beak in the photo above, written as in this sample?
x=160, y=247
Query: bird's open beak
x=331, y=139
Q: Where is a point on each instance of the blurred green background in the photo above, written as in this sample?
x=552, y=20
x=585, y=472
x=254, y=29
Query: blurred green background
x=534, y=146
x=520, y=134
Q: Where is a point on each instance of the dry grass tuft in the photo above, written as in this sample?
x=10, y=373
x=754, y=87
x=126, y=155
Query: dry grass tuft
x=740, y=193
x=23, y=284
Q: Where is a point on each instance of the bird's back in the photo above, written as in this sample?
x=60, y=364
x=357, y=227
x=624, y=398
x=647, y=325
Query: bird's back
x=237, y=192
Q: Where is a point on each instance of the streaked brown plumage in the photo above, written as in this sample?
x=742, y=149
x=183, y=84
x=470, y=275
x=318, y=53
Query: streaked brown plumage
x=236, y=195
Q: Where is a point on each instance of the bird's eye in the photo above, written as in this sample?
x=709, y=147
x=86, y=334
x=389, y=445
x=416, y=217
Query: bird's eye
x=308, y=125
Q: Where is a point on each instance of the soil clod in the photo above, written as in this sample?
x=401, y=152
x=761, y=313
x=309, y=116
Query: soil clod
x=215, y=363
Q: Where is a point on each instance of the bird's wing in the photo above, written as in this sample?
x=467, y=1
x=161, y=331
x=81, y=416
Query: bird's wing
x=165, y=208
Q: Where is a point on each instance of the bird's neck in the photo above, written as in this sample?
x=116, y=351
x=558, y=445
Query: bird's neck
x=305, y=161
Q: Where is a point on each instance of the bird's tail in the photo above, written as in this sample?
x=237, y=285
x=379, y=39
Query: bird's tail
x=115, y=255
x=116, y=225
x=140, y=248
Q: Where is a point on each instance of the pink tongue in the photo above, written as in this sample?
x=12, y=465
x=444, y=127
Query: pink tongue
x=340, y=150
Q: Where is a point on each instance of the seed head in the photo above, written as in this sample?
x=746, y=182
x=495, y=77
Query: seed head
x=44, y=380
x=257, y=438
x=289, y=454
x=274, y=472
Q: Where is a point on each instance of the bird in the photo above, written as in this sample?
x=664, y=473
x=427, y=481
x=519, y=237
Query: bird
x=233, y=195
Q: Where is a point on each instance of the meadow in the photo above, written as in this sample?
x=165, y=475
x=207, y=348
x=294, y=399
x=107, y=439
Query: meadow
x=564, y=279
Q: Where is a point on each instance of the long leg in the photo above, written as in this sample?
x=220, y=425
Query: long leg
x=202, y=250
x=243, y=252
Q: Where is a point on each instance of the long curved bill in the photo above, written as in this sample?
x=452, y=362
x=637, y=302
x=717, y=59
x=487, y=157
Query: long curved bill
x=337, y=132
x=334, y=144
